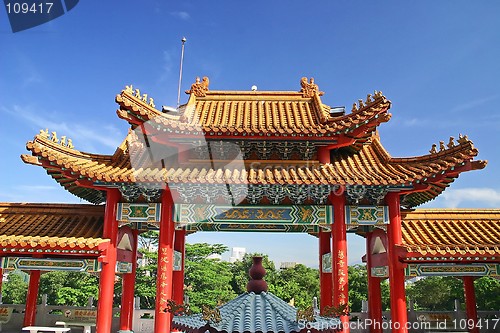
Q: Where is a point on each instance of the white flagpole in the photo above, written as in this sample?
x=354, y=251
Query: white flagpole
x=183, y=40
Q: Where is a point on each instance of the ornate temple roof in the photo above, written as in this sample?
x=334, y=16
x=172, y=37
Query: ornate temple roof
x=434, y=232
x=371, y=165
x=46, y=226
x=261, y=115
x=279, y=136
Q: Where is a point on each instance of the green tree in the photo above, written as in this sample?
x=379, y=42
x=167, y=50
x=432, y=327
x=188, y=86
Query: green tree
x=15, y=288
x=386, y=295
x=358, y=286
x=436, y=293
x=299, y=283
x=487, y=293
x=68, y=288
x=145, y=278
x=208, y=281
x=148, y=239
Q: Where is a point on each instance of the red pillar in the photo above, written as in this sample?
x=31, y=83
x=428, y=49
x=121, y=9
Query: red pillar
x=178, y=276
x=374, y=291
x=325, y=278
x=399, y=316
x=1, y=279
x=470, y=303
x=31, y=299
x=164, y=276
x=128, y=288
x=107, y=275
x=339, y=257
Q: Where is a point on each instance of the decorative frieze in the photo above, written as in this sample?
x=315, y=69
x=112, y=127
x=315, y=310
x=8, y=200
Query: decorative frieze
x=450, y=269
x=248, y=150
x=367, y=215
x=253, y=227
x=222, y=214
x=51, y=264
x=254, y=194
x=132, y=192
x=373, y=195
x=138, y=212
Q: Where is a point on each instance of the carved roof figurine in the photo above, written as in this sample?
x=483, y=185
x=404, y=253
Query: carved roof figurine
x=199, y=89
x=309, y=89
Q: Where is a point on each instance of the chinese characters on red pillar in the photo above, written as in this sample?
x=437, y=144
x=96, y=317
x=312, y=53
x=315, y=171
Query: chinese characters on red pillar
x=341, y=274
x=163, y=278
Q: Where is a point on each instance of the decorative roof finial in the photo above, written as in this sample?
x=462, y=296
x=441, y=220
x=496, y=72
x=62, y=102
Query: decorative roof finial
x=199, y=89
x=257, y=272
x=309, y=89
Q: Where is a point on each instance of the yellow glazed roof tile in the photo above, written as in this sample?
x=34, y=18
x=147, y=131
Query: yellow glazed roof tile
x=371, y=165
x=451, y=231
x=50, y=225
x=260, y=114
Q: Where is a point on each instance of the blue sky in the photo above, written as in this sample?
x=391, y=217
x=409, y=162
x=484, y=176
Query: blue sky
x=437, y=61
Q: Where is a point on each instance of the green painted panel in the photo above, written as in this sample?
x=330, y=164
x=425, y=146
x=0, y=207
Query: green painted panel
x=452, y=270
x=264, y=215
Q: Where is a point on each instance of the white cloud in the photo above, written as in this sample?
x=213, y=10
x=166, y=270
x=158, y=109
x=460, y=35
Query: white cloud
x=37, y=187
x=166, y=66
x=84, y=137
x=486, y=197
x=181, y=15
x=474, y=104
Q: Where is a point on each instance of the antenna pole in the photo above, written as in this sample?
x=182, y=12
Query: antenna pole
x=183, y=40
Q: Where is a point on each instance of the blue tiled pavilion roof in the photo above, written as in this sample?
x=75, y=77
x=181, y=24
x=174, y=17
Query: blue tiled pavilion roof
x=255, y=313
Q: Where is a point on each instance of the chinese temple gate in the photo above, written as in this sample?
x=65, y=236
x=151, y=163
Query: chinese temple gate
x=268, y=161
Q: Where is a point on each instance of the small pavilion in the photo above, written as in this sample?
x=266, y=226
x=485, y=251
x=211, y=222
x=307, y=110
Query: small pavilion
x=280, y=161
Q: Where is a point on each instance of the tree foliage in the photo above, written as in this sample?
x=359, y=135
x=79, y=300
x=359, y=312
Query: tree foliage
x=68, y=288
x=207, y=280
x=436, y=293
x=487, y=293
x=145, y=278
x=15, y=288
x=358, y=286
x=299, y=283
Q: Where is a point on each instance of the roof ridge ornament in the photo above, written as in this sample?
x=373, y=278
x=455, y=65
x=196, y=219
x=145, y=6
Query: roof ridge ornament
x=462, y=139
x=199, y=88
x=53, y=137
x=309, y=89
x=137, y=93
